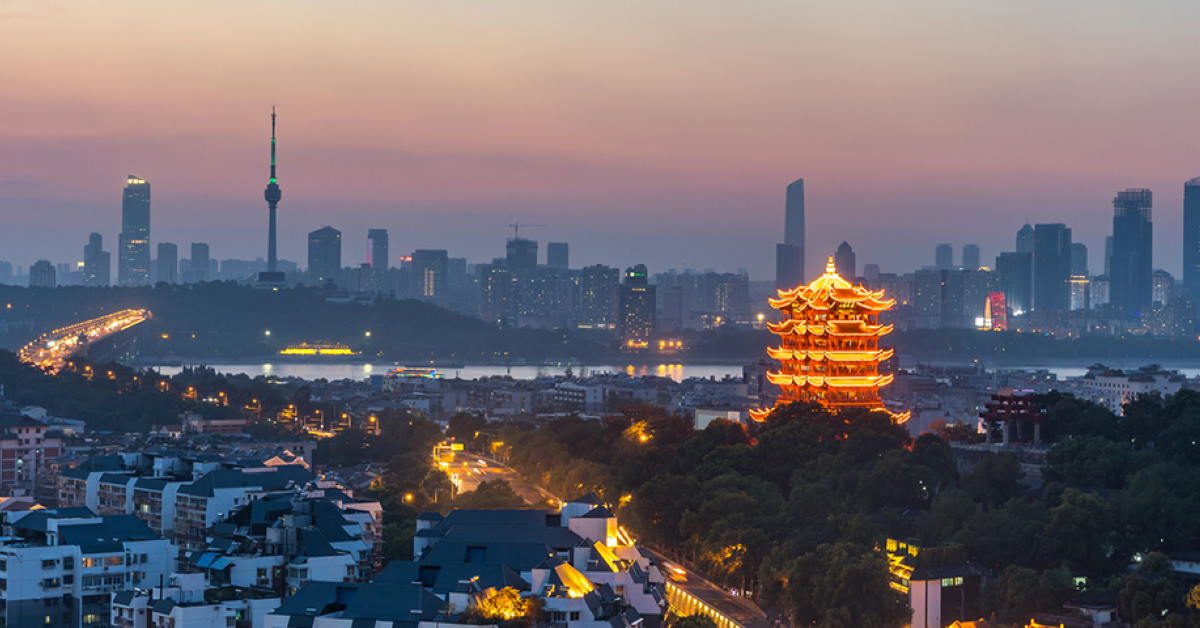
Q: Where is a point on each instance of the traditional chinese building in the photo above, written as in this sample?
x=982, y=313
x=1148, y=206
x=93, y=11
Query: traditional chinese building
x=829, y=345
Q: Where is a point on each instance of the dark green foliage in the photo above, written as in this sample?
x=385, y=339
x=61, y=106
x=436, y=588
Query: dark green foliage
x=994, y=480
x=841, y=585
x=694, y=621
x=1017, y=591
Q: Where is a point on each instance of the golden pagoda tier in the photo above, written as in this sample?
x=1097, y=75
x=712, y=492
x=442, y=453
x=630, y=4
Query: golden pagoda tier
x=828, y=349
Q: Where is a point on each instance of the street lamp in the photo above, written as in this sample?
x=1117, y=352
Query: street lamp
x=267, y=332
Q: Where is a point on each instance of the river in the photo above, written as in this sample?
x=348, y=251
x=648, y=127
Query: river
x=362, y=370
x=677, y=372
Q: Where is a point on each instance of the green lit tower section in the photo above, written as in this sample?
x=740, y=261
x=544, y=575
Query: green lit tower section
x=272, y=194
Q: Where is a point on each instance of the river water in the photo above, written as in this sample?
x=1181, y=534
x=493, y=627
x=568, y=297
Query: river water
x=677, y=372
x=362, y=370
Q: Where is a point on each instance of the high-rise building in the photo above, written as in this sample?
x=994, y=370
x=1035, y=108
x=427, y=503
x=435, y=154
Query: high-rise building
x=1108, y=241
x=1025, y=240
x=97, y=263
x=1015, y=273
x=198, y=265
x=324, y=255
x=1162, y=289
x=272, y=194
x=789, y=255
x=845, y=261
x=598, y=289
x=1051, y=267
x=1191, y=239
x=1079, y=287
x=1079, y=259
x=943, y=257
x=520, y=254
x=970, y=257
x=977, y=286
x=168, y=262
x=793, y=224
x=1132, y=266
x=133, y=258
x=42, y=275
x=377, y=249
x=637, y=307
x=557, y=255
x=789, y=266
x=429, y=274
x=1099, y=291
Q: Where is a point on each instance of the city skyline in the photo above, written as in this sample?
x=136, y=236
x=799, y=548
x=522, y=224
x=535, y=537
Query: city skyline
x=1017, y=138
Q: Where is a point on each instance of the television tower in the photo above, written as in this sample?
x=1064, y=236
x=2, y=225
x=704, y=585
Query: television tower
x=272, y=194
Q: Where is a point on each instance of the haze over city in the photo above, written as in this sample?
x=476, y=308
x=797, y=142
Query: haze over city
x=661, y=133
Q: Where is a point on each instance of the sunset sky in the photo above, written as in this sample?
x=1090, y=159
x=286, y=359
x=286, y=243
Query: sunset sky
x=656, y=132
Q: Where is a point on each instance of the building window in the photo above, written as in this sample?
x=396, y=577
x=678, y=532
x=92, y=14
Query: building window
x=952, y=582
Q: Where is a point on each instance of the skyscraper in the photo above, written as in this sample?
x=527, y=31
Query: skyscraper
x=556, y=255
x=1079, y=259
x=943, y=257
x=133, y=261
x=198, y=265
x=1108, y=241
x=1015, y=271
x=272, y=194
x=168, y=262
x=789, y=255
x=97, y=263
x=1162, y=287
x=324, y=255
x=42, y=275
x=598, y=289
x=520, y=254
x=844, y=261
x=428, y=274
x=1131, y=273
x=637, y=309
x=1025, y=239
x=970, y=257
x=1191, y=239
x=377, y=249
x=1051, y=267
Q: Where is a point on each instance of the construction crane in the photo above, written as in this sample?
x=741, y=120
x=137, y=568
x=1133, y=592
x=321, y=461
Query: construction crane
x=516, y=227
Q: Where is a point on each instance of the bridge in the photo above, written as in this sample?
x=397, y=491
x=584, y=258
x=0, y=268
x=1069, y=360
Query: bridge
x=51, y=350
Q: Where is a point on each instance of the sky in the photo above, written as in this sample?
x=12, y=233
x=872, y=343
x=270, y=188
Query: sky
x=658, y=132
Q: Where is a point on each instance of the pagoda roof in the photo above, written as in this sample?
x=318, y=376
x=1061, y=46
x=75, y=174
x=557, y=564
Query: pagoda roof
x=831, y=381
x=829, y=290
x=782, y=353
x=848, y=327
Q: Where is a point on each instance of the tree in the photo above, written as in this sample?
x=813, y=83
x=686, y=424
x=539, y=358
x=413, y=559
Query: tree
x=1019, y=592
x=1149, y=591
x=694, y=621
x=1080, y=528
x=1090, y=461
x=489, y=495
x=994, y=480
x=841, y=585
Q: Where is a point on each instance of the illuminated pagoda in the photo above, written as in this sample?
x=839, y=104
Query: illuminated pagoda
x=829, y=345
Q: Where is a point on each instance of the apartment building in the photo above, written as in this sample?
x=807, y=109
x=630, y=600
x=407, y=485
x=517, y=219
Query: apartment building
x=59, y=567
